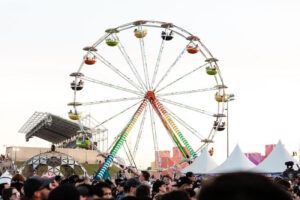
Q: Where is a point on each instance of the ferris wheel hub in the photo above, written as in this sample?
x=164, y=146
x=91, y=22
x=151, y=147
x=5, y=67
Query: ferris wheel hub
x=150, y=95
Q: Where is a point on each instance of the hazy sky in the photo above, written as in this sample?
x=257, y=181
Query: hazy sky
x=257, y=43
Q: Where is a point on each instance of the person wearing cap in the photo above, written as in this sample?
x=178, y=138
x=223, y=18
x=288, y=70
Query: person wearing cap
x=37, y=188
x=191, y=176
x=183, y=183
x=130, y=187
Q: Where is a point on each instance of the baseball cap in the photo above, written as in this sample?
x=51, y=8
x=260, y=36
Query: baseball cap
x=183, y=180
x=36, y=183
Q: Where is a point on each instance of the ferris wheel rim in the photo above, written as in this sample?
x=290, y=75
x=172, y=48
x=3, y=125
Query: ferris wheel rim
x=146, y=87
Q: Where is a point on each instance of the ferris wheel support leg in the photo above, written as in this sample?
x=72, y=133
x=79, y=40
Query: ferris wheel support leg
x=119, y=143
x=170, y=131
x=166, y=115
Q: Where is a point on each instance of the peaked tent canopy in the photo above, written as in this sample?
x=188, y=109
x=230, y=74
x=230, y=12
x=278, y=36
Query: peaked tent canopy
x=202, y=164
x=5, y=178
x=237, y=161
x=275, y=162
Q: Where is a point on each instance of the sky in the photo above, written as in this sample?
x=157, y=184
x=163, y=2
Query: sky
x=255, y=41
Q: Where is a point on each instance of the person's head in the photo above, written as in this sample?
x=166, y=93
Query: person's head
x=79, y=180
x=167, y=179
x=73, y=179
x=37, y=188
x=85, y=191
x=118, y=181
x=283, y=183
x=242, y=186
x=159, y=186
x=142, y=192
x=120, y=187
x=18, y=178
x=64, y=192
x=10, y=194
x=102, y=190
x=130, y=186
x=110, y=183
x=3, y=186
x=17, y=185
x=183, y=183
x=175, y=195
x=191, y=176
x=58, y=179
x=144, y=176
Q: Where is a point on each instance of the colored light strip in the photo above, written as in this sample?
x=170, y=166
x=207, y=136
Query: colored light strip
x=119, y=143
x=169, y=129
x=166, y=115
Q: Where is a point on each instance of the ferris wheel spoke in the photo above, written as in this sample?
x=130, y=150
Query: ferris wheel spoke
x=76, y=80
x=140, y=133
x=129, y=155
x=209, y=138
x=116, y=115
x=157, y=62
x=128, y=158
x=109, y=101
x=175, y=128
x=171, y=67
x=153, y=127
x=201, y=147
x=189, y=91
x=187, y=107
x=101, y=39
x=113, y=68
x=111, y=85
x=145, y=67
x=169, y=128
x=130, y=63
x=185, y=124
x=118, y=145
x=180, y=78
x=114, y=142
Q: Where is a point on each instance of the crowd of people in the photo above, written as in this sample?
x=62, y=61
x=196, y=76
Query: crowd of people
x=231, y=186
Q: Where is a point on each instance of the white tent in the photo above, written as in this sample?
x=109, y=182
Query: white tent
x=237, y=161
x=274, y=163
x=5, y=177
x=202, y=164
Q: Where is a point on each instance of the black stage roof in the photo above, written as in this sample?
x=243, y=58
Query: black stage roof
x=49, y=127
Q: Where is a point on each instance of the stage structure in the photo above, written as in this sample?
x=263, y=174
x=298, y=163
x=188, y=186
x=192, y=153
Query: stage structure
x=62, y=132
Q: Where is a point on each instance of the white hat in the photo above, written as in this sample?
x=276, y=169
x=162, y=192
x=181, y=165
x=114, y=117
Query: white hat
x=5, y=178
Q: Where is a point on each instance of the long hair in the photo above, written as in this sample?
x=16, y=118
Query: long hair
x=7, y=193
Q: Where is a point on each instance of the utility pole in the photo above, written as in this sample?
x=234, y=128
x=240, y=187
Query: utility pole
x=229, y=98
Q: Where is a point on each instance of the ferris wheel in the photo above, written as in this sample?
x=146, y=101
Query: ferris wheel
x=153, y=80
